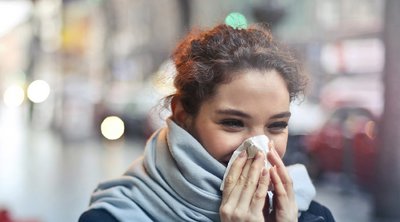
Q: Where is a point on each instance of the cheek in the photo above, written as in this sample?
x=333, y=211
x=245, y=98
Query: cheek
x=220, y=145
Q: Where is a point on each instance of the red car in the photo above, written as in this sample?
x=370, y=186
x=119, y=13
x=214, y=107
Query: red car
x=345, y=143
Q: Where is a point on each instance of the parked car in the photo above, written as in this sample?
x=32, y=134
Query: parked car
x=345, y=143
x=307, y=116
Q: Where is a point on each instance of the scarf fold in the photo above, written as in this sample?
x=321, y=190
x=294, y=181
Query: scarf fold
x=176, y=179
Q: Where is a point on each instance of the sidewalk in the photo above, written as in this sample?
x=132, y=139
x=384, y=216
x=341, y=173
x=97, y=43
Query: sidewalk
x=348, y=203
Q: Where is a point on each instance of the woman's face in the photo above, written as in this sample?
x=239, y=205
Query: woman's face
x=253, y=103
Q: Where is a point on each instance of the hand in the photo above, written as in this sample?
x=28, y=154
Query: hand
x=246, y=186
x=284, y=203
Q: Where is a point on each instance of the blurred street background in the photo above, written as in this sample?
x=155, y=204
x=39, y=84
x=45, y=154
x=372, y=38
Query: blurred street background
x=82, y=82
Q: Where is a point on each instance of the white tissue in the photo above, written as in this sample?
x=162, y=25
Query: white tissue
x=251, y=145
x=303, y=187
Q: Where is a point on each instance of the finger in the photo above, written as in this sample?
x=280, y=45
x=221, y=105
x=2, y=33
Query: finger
x=236, y=192
x=282, y=199
x=250, y=185
x=276, y=161
x=236, y=174
x=260, y=195
x=274, y=157
x=280, y=194
x=232, y=191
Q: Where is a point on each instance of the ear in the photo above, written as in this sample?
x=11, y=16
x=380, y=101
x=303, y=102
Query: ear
x=179, y=115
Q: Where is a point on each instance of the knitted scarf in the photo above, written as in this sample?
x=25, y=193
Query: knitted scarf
x=176, y=179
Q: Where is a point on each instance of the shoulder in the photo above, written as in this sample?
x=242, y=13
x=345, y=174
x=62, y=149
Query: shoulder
x=94, y=215
x=315, y=213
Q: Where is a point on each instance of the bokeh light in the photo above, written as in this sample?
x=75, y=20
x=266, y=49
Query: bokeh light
x=38, y=91
x=112, y=127
x=14, y=96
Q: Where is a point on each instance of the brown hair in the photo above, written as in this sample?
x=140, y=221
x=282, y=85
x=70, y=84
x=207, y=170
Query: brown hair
x=204, y=60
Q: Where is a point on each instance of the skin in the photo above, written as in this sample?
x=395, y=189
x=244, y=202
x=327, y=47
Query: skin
x=253, y=103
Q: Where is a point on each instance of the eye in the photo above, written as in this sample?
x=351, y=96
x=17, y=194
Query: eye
x=232, y=124
x=277, y=126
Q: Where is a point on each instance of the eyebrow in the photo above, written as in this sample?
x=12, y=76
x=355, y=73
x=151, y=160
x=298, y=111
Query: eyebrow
x=239, y=113
x=233, y=112
x=281, y=115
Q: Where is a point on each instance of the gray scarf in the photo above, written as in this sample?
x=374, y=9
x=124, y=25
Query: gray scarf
x=176, y=179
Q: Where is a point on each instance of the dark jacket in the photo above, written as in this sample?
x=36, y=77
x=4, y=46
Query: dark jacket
x=315, y=213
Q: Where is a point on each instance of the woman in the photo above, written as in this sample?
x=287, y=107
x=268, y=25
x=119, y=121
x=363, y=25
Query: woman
x=231, y=84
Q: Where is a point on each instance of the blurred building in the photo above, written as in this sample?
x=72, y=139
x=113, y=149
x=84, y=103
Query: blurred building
x=109, y=49
x=96, y=54
x=88, y=52
x=341, y=45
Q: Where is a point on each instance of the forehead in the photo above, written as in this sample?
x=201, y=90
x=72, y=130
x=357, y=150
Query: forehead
x=254, y=83
x=253, y=89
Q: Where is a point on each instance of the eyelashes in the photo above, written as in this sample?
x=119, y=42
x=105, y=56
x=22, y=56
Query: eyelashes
x=237, y=125
x=278, y=126
x=232, y=123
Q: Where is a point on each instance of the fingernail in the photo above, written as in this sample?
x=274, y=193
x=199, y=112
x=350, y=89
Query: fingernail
x=272, y=145
x=272, y=169
x=264, y=172
x=258, y=155
x=243, y=153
